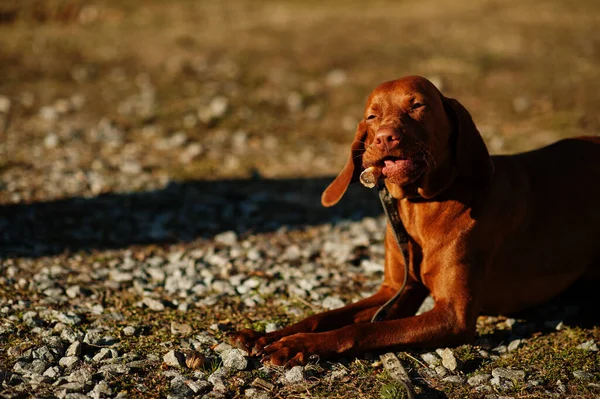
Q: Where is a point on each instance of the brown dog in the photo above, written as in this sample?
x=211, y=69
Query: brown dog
x=487, y=234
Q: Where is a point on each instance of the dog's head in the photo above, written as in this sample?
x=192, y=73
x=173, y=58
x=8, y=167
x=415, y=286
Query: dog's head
x=420, y=140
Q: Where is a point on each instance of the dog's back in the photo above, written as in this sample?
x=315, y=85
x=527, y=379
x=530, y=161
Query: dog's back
x=550, y=229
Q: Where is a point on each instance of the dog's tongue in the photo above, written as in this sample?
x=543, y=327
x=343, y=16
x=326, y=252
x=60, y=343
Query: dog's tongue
x=396, y=167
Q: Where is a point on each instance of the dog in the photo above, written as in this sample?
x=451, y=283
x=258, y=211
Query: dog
x=488, y=234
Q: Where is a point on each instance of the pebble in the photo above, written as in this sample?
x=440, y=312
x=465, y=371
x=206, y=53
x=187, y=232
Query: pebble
x=332, y=302
x=174, y=359
x=199, y=387
x=453, y=379
x=105, y=353
x=448, y=359
x=74, y=349
x=510, y=374
x=431, y=359
x=295, y=375
x=588, y=346
x=68, y=361
x=180, y=328
x=5, y=104
x=179, y=388
x=583, y=375
x=441, y=371
x=101, y=390
x=514, y=344
x=228, y=238
x=234, y=359
x=253, y=393
x=478, y=379
x=216, y=378
x=129, y=331
x=153, y=304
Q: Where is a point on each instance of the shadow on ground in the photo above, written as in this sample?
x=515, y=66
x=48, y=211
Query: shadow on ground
x=182, y=211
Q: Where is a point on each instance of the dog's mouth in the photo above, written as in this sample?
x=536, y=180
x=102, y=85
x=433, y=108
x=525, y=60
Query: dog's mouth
x=397, y=169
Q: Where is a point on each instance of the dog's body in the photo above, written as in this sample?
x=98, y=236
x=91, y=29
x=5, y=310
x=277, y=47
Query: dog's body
x=487, y=234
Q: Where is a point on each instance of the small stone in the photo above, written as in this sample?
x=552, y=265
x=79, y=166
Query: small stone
x=129, y=331
x=448, y=359
x=105, y=353
x=509, y=374
x=70, y=335
x=502, y=383
x=453, y=379
x=180, y=328
x=557, y=325
x=441, y=371
x=521, y=104
x=583, y=375
x=4, y=104
x=51, y=140
x=560, y=387
x=254, y=393
x=588, y=346
x=52, y=372
x=222, y=347
x=332, y=302
x=514, y=344
x=217, y=378
x=267, y=386
x=218, y=106
x=74, y=349
x=510, y=322
x=83, y=375
x=228, y=238
x=101, y=390
x=153, y=304
x=270, y=327
x=72, y=387
x=199, y=387
x=180, y=389
x=114, y=369
x=48, y=113
x=234, y=359
x=37, y=366
x=335, y=78
x=431, y=359
x=478, y=379
x=174, y=359
x=68, y=361
x=295, y=375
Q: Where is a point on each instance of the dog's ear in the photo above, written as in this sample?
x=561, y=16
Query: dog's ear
x=471, y=155
x=351, y=172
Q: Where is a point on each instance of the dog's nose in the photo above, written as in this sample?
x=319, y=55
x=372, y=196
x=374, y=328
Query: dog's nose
x=386, y=139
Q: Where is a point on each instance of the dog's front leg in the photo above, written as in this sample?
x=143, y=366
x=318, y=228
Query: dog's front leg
x=450, y=322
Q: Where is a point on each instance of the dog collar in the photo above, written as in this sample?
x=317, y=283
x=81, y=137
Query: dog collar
x=390, y=207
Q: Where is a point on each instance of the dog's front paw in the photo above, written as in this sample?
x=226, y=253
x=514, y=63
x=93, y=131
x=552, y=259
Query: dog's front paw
x=296, y=349
x=245, y=339
x=252, y=341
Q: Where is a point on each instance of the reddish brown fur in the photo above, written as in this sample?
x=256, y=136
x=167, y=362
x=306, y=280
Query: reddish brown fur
x=488, y=234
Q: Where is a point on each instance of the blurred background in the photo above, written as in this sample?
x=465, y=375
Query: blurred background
x=122, y=96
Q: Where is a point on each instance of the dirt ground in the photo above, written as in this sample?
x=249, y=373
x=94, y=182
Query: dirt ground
x=138, y=107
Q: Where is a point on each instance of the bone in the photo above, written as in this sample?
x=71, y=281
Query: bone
x=369, y=176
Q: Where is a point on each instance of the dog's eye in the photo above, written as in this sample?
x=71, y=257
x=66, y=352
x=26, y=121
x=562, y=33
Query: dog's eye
x=417, y=105
x=371, y=117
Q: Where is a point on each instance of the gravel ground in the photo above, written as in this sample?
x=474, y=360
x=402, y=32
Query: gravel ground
x=153, y=199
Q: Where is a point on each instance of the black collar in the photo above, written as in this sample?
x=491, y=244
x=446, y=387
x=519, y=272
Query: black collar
x=390, y=206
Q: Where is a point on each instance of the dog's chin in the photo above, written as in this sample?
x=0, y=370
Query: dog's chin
x=401, y=172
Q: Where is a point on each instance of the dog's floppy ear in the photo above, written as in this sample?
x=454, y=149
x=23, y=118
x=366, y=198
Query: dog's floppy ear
x=471, y=155
x=351, y=171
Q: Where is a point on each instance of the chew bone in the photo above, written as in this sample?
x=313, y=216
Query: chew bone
x=369, y=176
